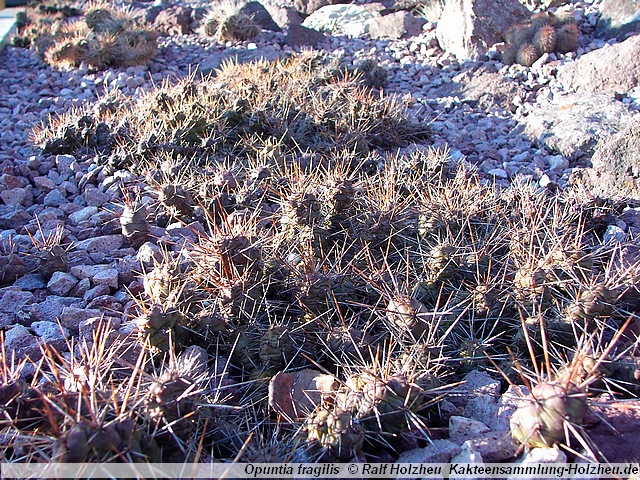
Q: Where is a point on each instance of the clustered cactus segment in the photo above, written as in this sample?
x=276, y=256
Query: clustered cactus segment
x=541, y=420
x=545, y=33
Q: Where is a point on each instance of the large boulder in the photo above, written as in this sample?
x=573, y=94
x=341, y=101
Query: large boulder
x=174, y=20
x=396, y=25
x=619, y=18
x=351, y=20
x=307, y=7
x=468, y=28
x=616, y=163
x=260, y=15
x=608, y=70
x=571, y=125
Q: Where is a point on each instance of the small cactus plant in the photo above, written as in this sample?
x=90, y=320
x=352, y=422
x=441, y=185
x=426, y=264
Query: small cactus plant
x=544, y=33
x=540, y=420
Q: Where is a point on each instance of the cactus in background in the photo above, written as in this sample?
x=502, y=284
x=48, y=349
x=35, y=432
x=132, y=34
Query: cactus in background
x=544, y=33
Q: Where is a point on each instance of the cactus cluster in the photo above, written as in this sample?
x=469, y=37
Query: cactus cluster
x=97, y=34
x=308, y=240
x=545, y=32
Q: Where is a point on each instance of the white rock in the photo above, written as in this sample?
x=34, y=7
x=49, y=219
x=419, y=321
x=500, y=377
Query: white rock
x=614, y=234
x=76, y=218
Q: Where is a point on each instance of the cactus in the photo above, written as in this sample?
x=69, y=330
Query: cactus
x=51, y=260
x=409, y=315
x=171, y=400
x=544, y=33
x=540, y=420
x=337, y=432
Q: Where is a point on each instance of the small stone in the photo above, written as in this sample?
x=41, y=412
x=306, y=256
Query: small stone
x=61, y=283
x=81, y=288
x=13, y=300
x=294, y=394
x=494, y=446
x=83, y=215
x=468, y=454
x=440, y=451
x=64, y=164
x=463, y=428
x=614, y=234
x=95, y=197
x=498, y=173
x=53, y=334
x=87, y=271
x=54, y=198
x=19, y=343
x=44, y=183
x=107, y=277
x=72, y=317
x=106, y=244
x=15, y=196
x=557, y=163
x=31, y=282
x=481, y=383
x=96, y=292
x=89, y=326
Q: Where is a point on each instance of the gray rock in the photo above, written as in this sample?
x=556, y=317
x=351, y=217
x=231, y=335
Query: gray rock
x=482, y=408
x=462, y=429
x=468, y=28
x=51, y=307
x=608, y=70
x=396, y=25
x=19, y=343
x=440, y=451
x=31, y=282
x=61, y=283
x=619, y=18
x=44, y=183
x=96, y=292
x=614, y=234
x=494, y=446
x=54, y=198
x=13, y=299
x=298, y=36
x=95, y=197
x=175, y=20
x=350, y=20
x=481, y=383
x=52, y=334
x=507, y=404
x=542, y=455
x=82, y=215
x=13, y=216
x=557, y=163
x=72, y=317
x=107, y=277
x=284, y=17
x=14, y=196
x=260, y=15
x=81, y=288
x=615, y=166
x=88, y=327
x=468, y=454
x=106, y=244
x=64, y=164
x=307, y=7
x=87, y=271
x=572, y=124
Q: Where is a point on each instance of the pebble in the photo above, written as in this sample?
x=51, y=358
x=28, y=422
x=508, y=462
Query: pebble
x=61, y=283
